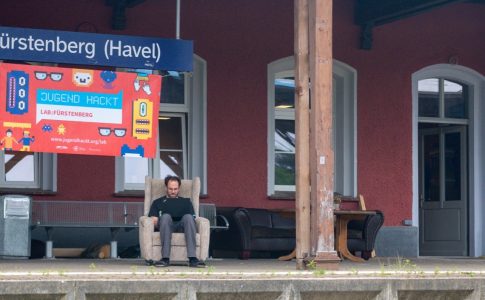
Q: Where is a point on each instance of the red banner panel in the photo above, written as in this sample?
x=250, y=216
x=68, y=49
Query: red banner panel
x=78, y=111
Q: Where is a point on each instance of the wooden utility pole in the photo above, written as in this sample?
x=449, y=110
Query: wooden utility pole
x=302, y=127
x=321, y=145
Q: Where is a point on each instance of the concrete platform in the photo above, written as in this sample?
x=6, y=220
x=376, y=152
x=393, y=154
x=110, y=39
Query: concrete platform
x=380, y=278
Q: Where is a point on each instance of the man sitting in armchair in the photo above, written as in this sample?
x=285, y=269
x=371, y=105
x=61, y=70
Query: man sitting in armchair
x=172, y=213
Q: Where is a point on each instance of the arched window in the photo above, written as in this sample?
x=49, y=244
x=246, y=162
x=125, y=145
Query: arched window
x=281, y=127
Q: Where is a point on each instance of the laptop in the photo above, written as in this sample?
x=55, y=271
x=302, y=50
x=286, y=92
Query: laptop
x=177, y=207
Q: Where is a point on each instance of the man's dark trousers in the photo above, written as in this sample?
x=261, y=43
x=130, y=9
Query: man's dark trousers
x=185, y=225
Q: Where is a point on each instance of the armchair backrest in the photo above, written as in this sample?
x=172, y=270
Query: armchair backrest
x=155, y=188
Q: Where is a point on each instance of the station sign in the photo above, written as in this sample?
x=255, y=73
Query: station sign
x=80, y=48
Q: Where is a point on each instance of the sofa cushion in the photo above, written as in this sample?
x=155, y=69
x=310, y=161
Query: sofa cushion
x=283, y=220
x=260, y=232
x=259, y=217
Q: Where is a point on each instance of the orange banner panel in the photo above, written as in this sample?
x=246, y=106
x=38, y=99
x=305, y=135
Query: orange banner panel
x=78, y=111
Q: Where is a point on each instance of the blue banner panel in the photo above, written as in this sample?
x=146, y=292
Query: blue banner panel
x=82, y=48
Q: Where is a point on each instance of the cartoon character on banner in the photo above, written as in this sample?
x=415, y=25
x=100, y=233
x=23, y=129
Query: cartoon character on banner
x=26, y=141
x=8, y=140
x=141, y=81
x=82, y=78
x=142, y=119
x=17, y=92
x=108, y=77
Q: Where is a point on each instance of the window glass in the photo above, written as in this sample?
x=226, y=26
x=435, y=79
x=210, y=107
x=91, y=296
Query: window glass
x=171, y=146
x=136, y=168
x=285, y=169
x=173, y=90
x=285, y=135
x=428, y=95
x=284, y=92
x=170, y=132
x=452, y=167
x=431, y=166
x=456, y=104
x=19, y=166
x=284, y=152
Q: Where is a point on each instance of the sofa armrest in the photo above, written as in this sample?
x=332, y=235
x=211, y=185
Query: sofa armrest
x=243, y=223
x=203, y=228
x=371, y=228
x=223, y=219
x=146, y=230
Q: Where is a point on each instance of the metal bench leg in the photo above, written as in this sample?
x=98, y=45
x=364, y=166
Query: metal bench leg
x=114, y=249
x=114, y=243
x=48, y=249
x=49, y=243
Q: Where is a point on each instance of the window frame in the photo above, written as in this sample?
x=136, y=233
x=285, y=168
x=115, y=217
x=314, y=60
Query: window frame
x=441, y=102
x=194, y=110
x=45, y=167
x=345, y=78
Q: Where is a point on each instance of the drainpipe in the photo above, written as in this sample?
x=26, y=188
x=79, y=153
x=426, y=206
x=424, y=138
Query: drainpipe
x=177, y=25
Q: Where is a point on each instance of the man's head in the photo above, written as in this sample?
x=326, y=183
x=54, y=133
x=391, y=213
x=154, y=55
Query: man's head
x=173, y=186
x=9, y=132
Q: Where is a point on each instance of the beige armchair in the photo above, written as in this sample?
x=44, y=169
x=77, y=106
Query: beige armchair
x=150, y=245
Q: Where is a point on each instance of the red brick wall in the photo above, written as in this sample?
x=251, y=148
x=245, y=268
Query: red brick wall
x=238, y=39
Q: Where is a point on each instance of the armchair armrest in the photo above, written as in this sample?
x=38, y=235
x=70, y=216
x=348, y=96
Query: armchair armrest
x=146, y=230
x=203, y=228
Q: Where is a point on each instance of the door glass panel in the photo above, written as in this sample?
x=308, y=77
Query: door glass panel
x=431, y=167
x=452, y=167
x=456, y=104
x=284, y=93
x=173, y=90
x=428, y=97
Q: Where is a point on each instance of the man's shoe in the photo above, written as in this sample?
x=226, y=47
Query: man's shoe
x=195, y=263
x=162, y=263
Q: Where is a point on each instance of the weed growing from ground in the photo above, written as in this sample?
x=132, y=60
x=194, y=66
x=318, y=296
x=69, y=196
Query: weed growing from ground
x=311, y=265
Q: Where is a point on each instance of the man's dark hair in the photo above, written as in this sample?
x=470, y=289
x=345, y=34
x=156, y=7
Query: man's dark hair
x=172, y=178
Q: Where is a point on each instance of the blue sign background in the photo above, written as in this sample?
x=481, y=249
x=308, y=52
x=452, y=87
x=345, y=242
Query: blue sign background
x=95, y=49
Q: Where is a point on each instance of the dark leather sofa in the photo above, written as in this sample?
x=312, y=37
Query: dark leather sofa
x=361, y=235
x=253, y=230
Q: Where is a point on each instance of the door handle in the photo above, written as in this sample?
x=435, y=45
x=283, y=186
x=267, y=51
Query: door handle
x=421, y=201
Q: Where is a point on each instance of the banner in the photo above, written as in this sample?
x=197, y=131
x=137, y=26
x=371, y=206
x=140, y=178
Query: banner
x=78, y=111
x=80, y=48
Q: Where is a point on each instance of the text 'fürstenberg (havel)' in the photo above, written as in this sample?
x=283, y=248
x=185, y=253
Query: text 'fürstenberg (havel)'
x=58, y=45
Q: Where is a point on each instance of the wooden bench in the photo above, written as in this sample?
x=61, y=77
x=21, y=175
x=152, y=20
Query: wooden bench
x=85, y=214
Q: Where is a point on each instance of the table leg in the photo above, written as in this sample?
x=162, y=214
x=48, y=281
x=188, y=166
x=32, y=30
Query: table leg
x=342, y=240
